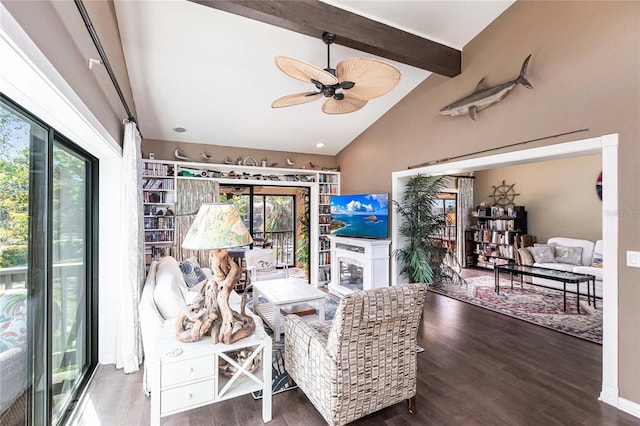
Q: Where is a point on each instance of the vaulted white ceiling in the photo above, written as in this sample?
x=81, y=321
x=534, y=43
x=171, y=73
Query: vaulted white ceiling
x=212, y=72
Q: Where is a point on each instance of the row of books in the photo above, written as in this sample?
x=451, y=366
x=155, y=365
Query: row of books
x=155, y=236
x=489, y=236
x=324, y=220
x=325, y=199
x=158, y=222
x=324, y=275
x=498, y=225
x=325, y=243
x=328, y=189
x=327, y=178
x=325, y=258
x=157, y=197
x=157, y=169
x=159, y=184
x=494, y=250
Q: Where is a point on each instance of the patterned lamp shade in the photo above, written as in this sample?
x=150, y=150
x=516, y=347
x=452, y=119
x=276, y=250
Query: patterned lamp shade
x=216, y=226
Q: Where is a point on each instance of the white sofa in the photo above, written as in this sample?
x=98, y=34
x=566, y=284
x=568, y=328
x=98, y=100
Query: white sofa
x=164, y=295
x=591, y=254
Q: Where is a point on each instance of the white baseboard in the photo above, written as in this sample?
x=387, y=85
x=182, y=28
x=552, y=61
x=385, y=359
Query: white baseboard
x=609, y=395
x=630, y=407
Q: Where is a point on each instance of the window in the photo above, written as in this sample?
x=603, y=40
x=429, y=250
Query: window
x=48, y=258
x=270, y=218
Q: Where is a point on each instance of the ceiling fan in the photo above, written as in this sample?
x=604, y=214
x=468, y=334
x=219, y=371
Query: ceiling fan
x=348, y=86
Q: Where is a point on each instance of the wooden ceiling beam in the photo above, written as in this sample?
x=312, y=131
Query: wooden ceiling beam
x=313, y=17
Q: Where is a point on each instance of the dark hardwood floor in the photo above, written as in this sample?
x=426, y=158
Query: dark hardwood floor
x=478, y=368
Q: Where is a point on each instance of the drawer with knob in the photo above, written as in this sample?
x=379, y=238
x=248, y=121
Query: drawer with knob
x=186, y=396
x=178, y=372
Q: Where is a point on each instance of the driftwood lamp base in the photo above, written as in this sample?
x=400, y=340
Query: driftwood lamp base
x=210, y=314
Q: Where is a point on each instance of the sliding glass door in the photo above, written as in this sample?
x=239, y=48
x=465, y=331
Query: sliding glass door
x=274, y=220
x=48, y=266
x=269, y=217
x=71, y=256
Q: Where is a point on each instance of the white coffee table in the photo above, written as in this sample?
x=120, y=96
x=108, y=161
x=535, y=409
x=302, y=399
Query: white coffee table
x=281, y=293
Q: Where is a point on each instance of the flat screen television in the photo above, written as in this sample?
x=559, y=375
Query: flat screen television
x=360, y=215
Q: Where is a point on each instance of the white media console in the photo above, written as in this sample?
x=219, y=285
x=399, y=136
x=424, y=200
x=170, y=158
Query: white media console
x=358, y=264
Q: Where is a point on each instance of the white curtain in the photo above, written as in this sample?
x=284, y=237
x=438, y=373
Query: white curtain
x=465, y=206
x=128, y=341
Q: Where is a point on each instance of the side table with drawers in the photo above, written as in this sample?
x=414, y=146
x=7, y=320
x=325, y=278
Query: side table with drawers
x=185, y=376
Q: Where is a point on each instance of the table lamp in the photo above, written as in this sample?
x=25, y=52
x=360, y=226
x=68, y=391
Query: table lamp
x=216, y=227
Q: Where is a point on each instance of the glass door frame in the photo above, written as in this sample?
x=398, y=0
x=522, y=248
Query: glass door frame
x=39, y=395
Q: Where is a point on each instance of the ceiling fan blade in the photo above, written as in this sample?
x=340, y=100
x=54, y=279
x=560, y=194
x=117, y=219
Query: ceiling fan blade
x=303, y=71
x=373, y=78
x=297, y=99
x=344, y=106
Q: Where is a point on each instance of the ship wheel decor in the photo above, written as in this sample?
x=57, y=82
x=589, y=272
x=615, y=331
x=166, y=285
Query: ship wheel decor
x=503, y=195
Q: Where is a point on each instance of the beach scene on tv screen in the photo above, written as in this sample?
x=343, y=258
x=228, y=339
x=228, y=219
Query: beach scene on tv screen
x=362, y=215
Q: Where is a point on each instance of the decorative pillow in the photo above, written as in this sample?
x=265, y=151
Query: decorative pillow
x=542, y=254
x=570, y=255
x=265, y=266
x=552, y=245
x=192, y=272
x=597, y=260
x=13, y=320
x=525, y=257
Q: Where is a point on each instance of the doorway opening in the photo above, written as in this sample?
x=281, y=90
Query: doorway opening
x=607, y=146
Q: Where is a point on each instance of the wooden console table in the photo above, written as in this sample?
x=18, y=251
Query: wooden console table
x=185, y=376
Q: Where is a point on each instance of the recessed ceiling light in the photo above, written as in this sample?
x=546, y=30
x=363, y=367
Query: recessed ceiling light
x=179, y=129
x=320, y=145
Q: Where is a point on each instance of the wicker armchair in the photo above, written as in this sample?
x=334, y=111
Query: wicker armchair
x=362, y=361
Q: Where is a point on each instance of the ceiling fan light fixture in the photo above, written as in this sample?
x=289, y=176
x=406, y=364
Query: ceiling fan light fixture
x=343, y=106
x=361, y=78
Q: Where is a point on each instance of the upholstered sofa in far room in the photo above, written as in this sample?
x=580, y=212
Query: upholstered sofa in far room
x=570, y=254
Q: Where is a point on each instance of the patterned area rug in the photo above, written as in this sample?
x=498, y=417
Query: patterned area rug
x=279, y=376
x=537, y=305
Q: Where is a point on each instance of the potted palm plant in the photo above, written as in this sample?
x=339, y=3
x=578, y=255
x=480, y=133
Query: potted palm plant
x=423, y=256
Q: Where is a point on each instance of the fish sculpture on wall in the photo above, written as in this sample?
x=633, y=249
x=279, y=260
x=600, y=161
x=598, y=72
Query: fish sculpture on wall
x=484, y=96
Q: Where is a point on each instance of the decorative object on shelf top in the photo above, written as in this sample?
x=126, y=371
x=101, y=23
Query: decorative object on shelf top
x=250, y=161
x=216, y=227
x=205, y=156
x=484, y=96
x=504, y=195
x=180, y=155
x=290, y=163
x=347, y=88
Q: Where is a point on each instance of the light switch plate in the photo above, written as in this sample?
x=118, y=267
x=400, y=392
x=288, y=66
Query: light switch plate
x=633, y=259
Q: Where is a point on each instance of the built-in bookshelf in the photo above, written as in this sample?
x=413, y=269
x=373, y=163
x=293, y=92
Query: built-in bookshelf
x=158, y=198
x=492, y=234
x=328, y=185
